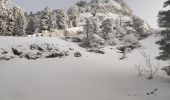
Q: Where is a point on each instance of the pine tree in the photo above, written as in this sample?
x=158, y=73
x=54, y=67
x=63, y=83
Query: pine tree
x=73, y=13
x=37, y=19
x=46, y=21
x=62, y=19
x=106, y=28
x=98, y=8
x=164, y=23
x=19, y=21
x=96, y=29
x=88, y=27
x=138, y=25
x=82, y=3
x=53, y=19
x=90, y=39
x=31, y=26
x=6, y=18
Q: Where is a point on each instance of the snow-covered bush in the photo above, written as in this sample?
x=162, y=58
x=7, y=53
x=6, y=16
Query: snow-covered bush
x=77, y=54
x=130, y=39
x=76, y=39
x=55, y=55
x=94, y=41
x=113, y=41
x=120, y=31
x=147, y=68
x=141, y=27
x=167, y=70
x=87, y=42
x=96, y=51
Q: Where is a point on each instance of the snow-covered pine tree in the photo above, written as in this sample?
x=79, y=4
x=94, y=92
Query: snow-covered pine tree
x=53, y=19
x=37, y=19
x=73, y=13
x=31, y=26
x=19, y=21
x=164, y=24
x=96, y=29
x=6, y=18
x=98, y=8
x=82, y=3
x=138, y=25
x=88, y=27
x=106, y=28
x=62, y=19
x=3, y=14
x=46, y=21
x=126, y=9
x=90, y=41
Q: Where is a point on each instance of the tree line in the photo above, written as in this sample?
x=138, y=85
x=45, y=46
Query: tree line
x=16, y=22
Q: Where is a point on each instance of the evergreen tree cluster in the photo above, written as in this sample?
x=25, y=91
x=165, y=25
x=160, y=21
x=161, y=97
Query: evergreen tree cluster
x=164, y=24
x=15, y=21
x=12, y=20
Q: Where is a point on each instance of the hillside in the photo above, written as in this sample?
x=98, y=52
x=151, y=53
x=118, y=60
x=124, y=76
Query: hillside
x=95, y=50
x=90, y=77
x=108, y=19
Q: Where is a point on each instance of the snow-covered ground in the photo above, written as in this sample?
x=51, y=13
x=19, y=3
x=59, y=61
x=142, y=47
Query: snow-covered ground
x=90, y=77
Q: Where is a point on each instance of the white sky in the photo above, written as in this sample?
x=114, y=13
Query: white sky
x=146, y=9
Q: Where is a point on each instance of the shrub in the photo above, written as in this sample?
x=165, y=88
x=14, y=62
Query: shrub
x=77, y=54
x=147, y=69
x=92, y=42
x=167, y=70
x=96, y=51
x=54, y=55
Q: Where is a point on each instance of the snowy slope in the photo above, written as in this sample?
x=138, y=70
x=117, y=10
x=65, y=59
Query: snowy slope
x=91, y=77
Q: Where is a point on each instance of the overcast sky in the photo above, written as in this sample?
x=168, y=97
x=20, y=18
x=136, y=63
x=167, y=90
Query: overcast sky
x=146, y=9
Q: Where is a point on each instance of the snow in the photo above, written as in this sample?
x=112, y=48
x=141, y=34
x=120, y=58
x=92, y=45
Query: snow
x=74, y=31
x=91, y=77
